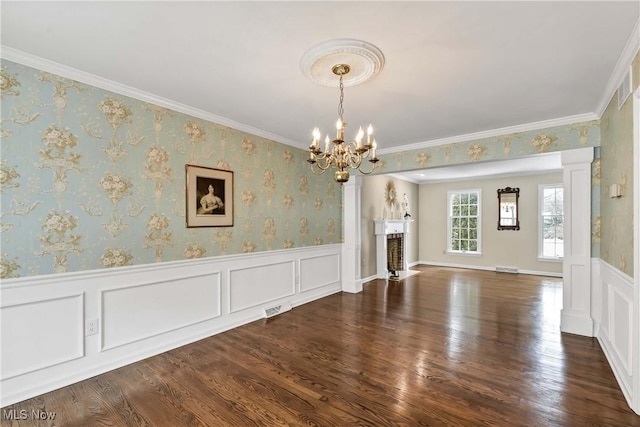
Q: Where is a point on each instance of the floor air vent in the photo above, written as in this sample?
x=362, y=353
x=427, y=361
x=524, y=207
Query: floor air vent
x=277, y=309
x=502, y=269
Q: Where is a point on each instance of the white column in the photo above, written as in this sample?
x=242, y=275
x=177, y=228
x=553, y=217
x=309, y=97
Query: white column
x=351, y=280
x=381, y=256
x=576, y=267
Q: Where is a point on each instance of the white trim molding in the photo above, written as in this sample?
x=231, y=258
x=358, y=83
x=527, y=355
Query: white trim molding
x=487, y=268
x=185, y=301
x=33, y=61
x=526, y=127
x=620, y=70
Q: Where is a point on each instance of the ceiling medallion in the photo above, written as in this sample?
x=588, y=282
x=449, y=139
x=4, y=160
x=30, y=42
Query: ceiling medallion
x=365, y=61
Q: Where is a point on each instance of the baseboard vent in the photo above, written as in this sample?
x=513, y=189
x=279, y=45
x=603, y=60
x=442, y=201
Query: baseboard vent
x=503, y=269
x=277, y=309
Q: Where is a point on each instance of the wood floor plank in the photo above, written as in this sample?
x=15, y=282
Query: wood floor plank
x=446, y=347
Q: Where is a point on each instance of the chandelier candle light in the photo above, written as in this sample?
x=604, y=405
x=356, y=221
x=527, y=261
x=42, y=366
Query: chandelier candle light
x=338, y=153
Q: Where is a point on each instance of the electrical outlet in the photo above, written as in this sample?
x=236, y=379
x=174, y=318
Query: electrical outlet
x=92, y=328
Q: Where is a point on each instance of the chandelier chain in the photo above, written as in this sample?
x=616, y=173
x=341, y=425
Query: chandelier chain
x=340, y=108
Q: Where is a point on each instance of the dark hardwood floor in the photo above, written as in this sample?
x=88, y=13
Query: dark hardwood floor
x=446, y=347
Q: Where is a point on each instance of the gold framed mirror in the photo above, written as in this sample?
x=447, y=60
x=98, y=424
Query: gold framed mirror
x=508, y=208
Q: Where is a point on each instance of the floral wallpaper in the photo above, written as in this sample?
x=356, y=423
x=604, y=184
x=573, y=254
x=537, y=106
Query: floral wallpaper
x=91, y=179
x=616, y=221
x=577, y=135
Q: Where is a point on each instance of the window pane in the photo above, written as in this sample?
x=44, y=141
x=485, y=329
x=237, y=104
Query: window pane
x=548, y=229
x=559, y=227
x=463, y=214
x=552, y=222
x=559, y=205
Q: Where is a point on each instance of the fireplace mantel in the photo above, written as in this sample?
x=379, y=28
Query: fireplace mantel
x=383, y=228
x=391, y=226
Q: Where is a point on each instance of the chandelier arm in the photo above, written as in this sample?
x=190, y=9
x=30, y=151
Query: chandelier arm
x=351, y=157
x=327, y=163
x=373, y=167
x=317, y=170
x=354, y=160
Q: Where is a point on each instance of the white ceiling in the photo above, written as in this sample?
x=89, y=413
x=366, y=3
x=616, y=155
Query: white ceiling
x=451, y=68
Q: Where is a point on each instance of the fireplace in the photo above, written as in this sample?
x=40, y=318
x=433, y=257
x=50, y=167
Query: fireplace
x=395, y=255
x=391, y=246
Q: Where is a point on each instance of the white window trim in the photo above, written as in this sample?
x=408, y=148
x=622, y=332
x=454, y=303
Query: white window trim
x=541, y=188
x=450, y=251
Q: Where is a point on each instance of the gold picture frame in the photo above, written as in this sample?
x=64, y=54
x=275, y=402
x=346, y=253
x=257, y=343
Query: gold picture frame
x=209, y=194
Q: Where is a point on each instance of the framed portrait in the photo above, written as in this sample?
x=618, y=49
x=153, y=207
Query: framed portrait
x=209, y=197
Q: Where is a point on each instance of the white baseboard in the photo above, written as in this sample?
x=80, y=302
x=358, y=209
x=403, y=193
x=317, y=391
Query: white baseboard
x=369, y=279
x=223, y=293
x=485, y=268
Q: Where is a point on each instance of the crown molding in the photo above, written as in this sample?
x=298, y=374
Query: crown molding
x=622, y=67
x=562, y=121
x=33, y=61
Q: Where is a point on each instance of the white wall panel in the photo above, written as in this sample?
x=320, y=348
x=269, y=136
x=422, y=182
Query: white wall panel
x=318, y=271
x=621, y=315
x=252, y=286
x=135, y=313
x=616, y=329
x=40, y=334
x=143, y=310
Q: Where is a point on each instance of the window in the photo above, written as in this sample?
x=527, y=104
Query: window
x=551, y=222
x=464, y=222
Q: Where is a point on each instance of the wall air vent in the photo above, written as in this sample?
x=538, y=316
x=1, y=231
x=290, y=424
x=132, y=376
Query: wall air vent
x=625, y=89
x=277, y=309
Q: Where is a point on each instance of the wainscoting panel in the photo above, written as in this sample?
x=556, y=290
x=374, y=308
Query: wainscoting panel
x=616, y=324
x=253, y=286
x=134, y=313
x=143, y=310
x=55, y=334
x=318, y=271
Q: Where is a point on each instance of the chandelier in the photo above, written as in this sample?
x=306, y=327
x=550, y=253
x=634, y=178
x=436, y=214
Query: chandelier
x=338, y=153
